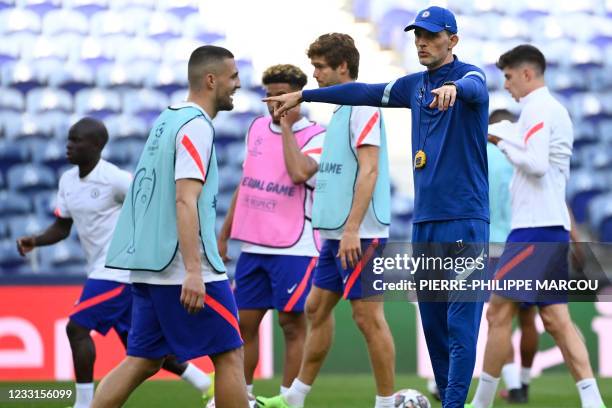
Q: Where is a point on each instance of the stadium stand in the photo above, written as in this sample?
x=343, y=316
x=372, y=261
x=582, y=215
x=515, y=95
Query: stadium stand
x=124, y=61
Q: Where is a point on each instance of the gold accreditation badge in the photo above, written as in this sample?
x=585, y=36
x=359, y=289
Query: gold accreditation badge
x=420, y=158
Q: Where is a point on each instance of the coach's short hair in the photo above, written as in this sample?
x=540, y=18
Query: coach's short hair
x=501, y=114
x=524, y=53
x=336, y=48
x=90, y=128
x=285, y=74
x=204, y=60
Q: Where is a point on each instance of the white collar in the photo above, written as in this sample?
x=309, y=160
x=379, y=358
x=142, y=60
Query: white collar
x=297, y=126
x=533, y=95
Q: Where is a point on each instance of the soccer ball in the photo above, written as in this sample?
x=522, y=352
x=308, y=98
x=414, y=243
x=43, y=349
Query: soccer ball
x=409, y=398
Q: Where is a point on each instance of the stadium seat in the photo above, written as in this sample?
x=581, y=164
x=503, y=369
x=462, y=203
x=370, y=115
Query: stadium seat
x=581, y=189
x=45, y=204
x=64, y=254
x=391, y=28
x=96, y=52
x=4, y=4
x=97, y=102
x=361, y=9
x=51, y=154
x=47, y=100
x=565, y=81
x=178, y=96
x=12, y=153
x=162, y=27
x=10, y=260
x=11, y=100
x=146, y=104
x=54, y=23
x=247, y=101
x=179, y=8
x=587, y=106
x=30, y=127
x=40, y=7
x=111, y=23
x=9, y=50
x=13, y=204
x=31, y=178
x=14, y=20
x=4, y=230
x=132, y=4
x=123, y=127
x=72, y=78
x=600, y=216
x=20, y=75
x=179, y=50
x=86, y=7
x=194, y=27
x=121, y=76
x=140, y=50
x=27, y=225
x=168, y=78
x=605, y=130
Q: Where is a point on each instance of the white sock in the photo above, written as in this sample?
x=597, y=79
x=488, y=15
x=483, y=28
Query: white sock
x=250, y=388
x=511, y=376
x=589, y=393
x=283, y=390
x=525, y=375
x=385, y=402
x=196, y=377
x=84, y=395
x=297, y=393
x=485, y=393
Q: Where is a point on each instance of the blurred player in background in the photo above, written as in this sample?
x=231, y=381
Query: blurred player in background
x=90, y=196
x=165, y=235
x=539, y=148
x=449, y=107
x=352, y=210
x=270, y=214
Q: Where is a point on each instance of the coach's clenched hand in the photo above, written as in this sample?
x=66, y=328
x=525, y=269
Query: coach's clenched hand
x=285, y=102
x=444, y=97
x=193, y=292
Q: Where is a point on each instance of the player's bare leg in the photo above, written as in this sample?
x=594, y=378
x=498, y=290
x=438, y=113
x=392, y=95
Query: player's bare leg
x=370, y=319
x=249, y=321
x=294, y=331
x=116, y=387
x=230, y=386
x=83, y=351
x=499, y=345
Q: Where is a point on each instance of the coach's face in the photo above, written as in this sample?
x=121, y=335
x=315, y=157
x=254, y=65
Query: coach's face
x=277, y=89
x=516, y=81
x=227, y=82
x=433, y=48
x=323, y=73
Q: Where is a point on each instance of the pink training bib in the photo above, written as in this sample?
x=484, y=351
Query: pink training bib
x=270, y=209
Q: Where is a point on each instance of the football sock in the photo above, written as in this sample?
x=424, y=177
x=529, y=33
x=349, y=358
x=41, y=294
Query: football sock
x=485, y=393
x=84, y=395
x=297, y=393
x=250, y=388
x=196, y=377
x=385, y=402
x=589, y=393
x=511, y=376
x=525, y=375
x=283, y=390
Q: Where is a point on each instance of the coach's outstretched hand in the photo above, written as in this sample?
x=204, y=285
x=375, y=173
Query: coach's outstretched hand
x=285, y=102
x=444, y=97
x=193, y=292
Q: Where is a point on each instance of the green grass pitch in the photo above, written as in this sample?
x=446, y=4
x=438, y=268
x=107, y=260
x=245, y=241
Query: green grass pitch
x=554, y=390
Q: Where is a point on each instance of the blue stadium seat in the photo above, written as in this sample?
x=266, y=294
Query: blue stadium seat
x=20, y=75
x=587, y=106
x=162, y=27
x=14, y=20
x=30, y=127
x=179, y=50
x=565, y=82
x=96, y=52
x=31, y=178
x=86, y=7
x=585, y=134
x=72, y=78
x=4, y=4
x=391, y=28
x=123, y=127
x=10, y=260
x=51, y=154
x=582, y=187
x=64, y=254
x=4, y=230
x=140, y=50
x=12, y=204
x=600, y=216
x=45, y=204
x=121, y=76
x=40, y=7
x=194, y=27
x=111, y=23
x=605, y=130
x=9, y=50
x=54, y=23
x=168, y=78
x=97, y=102
x=122, y=5
x=48, y=100
x=11, y=100
x=178, y=96
x=146, y=104
x=123, y=153
x=179, y=8
x=24, y=225
x=230, y=178
x=12, y=153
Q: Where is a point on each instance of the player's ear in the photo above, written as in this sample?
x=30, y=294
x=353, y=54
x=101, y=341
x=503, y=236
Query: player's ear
x=343, y=67
x=454, y=39
x=210, y=80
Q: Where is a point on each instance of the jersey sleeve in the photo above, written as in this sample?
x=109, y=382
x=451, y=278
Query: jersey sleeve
x=365, y=126
x=121, y=184
x=193, y=150
x=61, y=207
